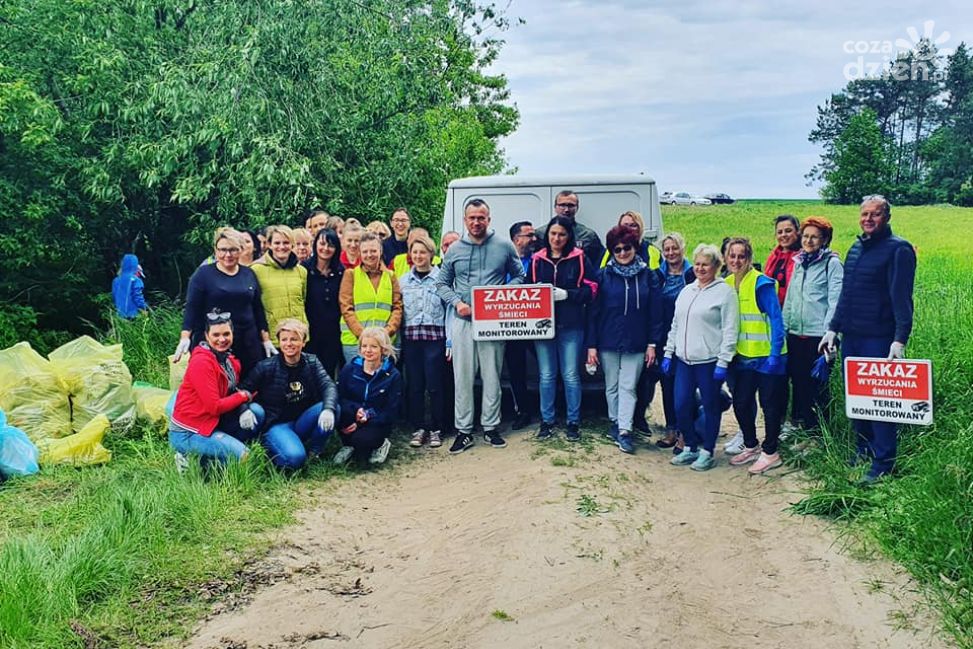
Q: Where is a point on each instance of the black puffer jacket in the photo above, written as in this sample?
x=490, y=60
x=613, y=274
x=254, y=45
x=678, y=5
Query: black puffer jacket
x=268, y=379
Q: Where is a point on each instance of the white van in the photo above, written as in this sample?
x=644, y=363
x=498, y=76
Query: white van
x=602, y=199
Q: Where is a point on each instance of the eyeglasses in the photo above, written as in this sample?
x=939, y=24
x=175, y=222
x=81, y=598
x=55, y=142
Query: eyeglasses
x=567, y=206
x=227, y=251
x=397, y=220
x=216, y=316
x=620, y=249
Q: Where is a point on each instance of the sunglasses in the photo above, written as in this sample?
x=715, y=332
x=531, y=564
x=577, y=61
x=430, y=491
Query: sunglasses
x=620, y=249
x=216, y=316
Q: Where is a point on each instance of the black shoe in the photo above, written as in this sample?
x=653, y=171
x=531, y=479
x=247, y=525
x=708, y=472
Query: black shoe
x=462, y=442
x=546, y=431
x=642, y=426
x=493, y=438
x=521, y=421
x=573, y=433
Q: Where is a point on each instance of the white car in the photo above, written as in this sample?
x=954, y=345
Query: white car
x=685, y=198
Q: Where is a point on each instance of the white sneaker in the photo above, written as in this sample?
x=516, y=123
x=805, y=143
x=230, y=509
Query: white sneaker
x=786, y=430
x=182, y=462
x=343, y=455
x=382, y=452
x=735, y=446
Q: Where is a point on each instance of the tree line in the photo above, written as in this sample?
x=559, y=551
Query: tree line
x=907, y=133
x=141, y=125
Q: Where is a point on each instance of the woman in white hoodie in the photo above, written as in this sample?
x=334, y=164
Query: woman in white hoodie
x=699, y=349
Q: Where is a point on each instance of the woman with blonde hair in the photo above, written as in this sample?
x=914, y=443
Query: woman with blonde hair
x=350, y=243
x=369, y=392
x=298, y=398
x=227, y=287
x=283, y=280
x=302, y=244
x=379, y=228
x=369, y=297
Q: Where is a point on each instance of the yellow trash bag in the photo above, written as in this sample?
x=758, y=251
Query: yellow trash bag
x=84, y=447
x=177, y=371
x=31, y=394
x=150, y=402
x=97, y=380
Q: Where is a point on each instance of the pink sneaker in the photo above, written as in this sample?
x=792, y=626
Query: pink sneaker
x=745, y=456
x=765, y=463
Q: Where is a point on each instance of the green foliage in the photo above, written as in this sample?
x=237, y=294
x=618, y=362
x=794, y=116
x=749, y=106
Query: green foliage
x=147, y=340
x=138, y=127
x=860, y=161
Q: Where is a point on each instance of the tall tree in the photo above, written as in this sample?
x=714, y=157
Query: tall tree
x=861, y=164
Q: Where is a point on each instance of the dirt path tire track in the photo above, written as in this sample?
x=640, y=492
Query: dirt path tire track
x=422, y=556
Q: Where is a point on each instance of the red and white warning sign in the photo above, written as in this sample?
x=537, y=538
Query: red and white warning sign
x=518, y=312
x=897, y=391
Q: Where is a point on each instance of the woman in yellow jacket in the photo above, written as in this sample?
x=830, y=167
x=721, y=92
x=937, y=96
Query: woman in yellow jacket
x=283, y=280
x=369, y=297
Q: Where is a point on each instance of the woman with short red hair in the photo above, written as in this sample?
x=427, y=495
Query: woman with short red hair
x=810, y=304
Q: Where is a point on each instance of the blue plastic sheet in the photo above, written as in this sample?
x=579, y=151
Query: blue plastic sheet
x=18, y=455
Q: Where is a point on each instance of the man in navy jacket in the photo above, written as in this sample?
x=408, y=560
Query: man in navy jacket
x=874, y=315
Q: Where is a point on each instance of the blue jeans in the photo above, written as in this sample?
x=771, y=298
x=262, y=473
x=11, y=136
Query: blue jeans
x=226, y=441
x=289, y=442
x=878, y=439
x=690, y=378
x=563, y=354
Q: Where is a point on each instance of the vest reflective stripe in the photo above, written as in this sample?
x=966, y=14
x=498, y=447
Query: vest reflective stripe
x=372, y=306
x=754, y=338
x=655, y=258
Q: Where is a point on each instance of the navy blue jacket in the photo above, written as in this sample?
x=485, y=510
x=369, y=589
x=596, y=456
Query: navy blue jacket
x=876, y=294
x=379, y=395
x=572, y=272
x=627, y=314
x=670, y=290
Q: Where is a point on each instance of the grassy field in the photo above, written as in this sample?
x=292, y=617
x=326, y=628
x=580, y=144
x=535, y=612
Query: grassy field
x=131, y=552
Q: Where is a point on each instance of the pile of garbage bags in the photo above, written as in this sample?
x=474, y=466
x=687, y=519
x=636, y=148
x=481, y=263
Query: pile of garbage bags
x=56, y=410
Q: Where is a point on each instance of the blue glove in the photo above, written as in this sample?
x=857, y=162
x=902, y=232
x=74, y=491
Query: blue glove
x=719, y=374
x=666, y=366
x=772, y=364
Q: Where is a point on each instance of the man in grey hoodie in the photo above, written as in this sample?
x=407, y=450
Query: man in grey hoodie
x=478, y=259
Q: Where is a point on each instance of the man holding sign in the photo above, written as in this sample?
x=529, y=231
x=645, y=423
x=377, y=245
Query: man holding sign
x=874, y=315
x=478, y=259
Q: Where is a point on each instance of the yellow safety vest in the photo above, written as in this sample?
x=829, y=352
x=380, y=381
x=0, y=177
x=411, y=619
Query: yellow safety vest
x=655, y=257
x=753, y=340
x=401, y=266
x=373, y=307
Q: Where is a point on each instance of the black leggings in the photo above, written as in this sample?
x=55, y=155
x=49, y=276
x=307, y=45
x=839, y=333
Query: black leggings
x=747, y=385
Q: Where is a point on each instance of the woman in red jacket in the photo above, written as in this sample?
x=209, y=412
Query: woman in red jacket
x=211, y=415
x=780, y=263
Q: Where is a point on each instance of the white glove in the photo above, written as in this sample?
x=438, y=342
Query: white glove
x=248, y=420
x=269, y=349
x=828, y=343
x=326, y=420
x=896, y=350
x=181, y=348
x=449, y=354
x=560, y=294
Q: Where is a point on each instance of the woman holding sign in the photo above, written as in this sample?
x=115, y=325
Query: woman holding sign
x=564, y=266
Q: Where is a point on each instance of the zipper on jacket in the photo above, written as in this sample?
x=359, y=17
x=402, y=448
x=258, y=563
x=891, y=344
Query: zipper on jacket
x=686, y=327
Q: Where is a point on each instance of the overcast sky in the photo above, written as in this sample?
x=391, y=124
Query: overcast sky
x=702, y=96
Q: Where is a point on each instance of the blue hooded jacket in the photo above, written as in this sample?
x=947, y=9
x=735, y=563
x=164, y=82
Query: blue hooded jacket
x=126, y=289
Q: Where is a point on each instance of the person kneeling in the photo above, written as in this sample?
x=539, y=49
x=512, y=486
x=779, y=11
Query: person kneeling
x=369, y=390
x=298, y=398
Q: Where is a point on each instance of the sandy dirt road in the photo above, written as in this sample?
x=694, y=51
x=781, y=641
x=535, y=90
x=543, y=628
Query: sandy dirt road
x=555, y=546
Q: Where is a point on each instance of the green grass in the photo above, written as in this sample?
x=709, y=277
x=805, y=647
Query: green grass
x=923, y=518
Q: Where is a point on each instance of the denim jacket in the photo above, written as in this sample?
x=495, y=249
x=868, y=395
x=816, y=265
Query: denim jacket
x=423, y=307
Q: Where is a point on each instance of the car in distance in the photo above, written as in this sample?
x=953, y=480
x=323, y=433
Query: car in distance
x=720, y=198
x=685, y=198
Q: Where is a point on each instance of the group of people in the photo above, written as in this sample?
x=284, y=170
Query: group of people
x=287, y=350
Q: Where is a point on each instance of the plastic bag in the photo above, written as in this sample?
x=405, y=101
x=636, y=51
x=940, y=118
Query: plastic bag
x=31, y=394
x=177, y=371
x=18, y=455
x=150, y=402
x=97, y=380
x=84, y=447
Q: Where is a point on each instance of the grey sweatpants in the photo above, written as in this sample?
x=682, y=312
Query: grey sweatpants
x=469, y=356
x=622, y=373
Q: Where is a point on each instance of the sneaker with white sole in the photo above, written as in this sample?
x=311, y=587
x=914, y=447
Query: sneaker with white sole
x=704, y=462
x=418, y=438
x=735, y=445
x=685, y=457
x=435, y=439
x=343, y=455
x=381, y=453
x=493, y=438
x=745, y=456
x=182, y=462
x=462, y=442
x=765, y=463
